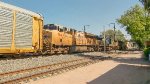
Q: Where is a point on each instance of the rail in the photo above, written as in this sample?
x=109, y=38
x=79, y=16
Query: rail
x=48, y=70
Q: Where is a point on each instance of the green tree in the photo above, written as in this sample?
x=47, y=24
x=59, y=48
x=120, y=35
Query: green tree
x=119, y=36
x=137, y=24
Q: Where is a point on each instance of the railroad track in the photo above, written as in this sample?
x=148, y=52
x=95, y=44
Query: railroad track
x=26, y=75
x=30, y=56
x=125, y=52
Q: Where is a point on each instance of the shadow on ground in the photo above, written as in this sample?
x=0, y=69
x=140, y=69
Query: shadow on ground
x=131, y=60
x=129, y=71
x=124, y=74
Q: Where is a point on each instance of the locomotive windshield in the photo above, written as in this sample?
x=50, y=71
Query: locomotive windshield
x=50, y=27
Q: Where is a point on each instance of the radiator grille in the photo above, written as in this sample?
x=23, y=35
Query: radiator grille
x=23, y=33
x=6, y=26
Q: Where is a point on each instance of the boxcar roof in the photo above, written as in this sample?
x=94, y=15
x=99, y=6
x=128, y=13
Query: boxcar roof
x=12, y=7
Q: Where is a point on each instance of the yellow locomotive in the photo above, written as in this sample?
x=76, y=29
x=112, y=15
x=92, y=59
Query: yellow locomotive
x=80, y=42
x=86, y=42
x=57, y=39
x=92, y=42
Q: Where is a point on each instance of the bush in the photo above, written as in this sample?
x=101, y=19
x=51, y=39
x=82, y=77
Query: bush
x=147, y=52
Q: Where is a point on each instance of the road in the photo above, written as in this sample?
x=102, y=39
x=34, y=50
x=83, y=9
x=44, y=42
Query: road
x=122, y=69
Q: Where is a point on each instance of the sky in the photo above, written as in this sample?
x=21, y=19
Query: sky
x=77, y=13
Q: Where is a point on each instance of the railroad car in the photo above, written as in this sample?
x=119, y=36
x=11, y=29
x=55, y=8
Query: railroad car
x=20, y=30
x=57, y=39
x=92, y=42
x=80, y=42
x=86, y=42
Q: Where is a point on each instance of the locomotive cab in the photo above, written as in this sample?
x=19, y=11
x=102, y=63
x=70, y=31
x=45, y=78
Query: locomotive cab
x=58, y=38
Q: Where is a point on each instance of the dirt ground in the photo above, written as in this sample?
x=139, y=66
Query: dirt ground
x=123, y=69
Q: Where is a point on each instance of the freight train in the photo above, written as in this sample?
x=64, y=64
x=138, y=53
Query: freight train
x=22, y=31
x=59, y=39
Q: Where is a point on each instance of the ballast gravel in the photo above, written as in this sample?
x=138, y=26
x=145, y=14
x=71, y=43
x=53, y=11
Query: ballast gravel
x=31, y=62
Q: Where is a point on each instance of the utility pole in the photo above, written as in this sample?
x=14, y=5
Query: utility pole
x=114, y=35
x=104, y=41
x=85, y=28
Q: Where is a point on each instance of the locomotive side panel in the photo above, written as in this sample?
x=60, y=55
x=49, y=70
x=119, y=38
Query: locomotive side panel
x=80, y=39
x=67, y=39
x=80, y=43
x=57, y=38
